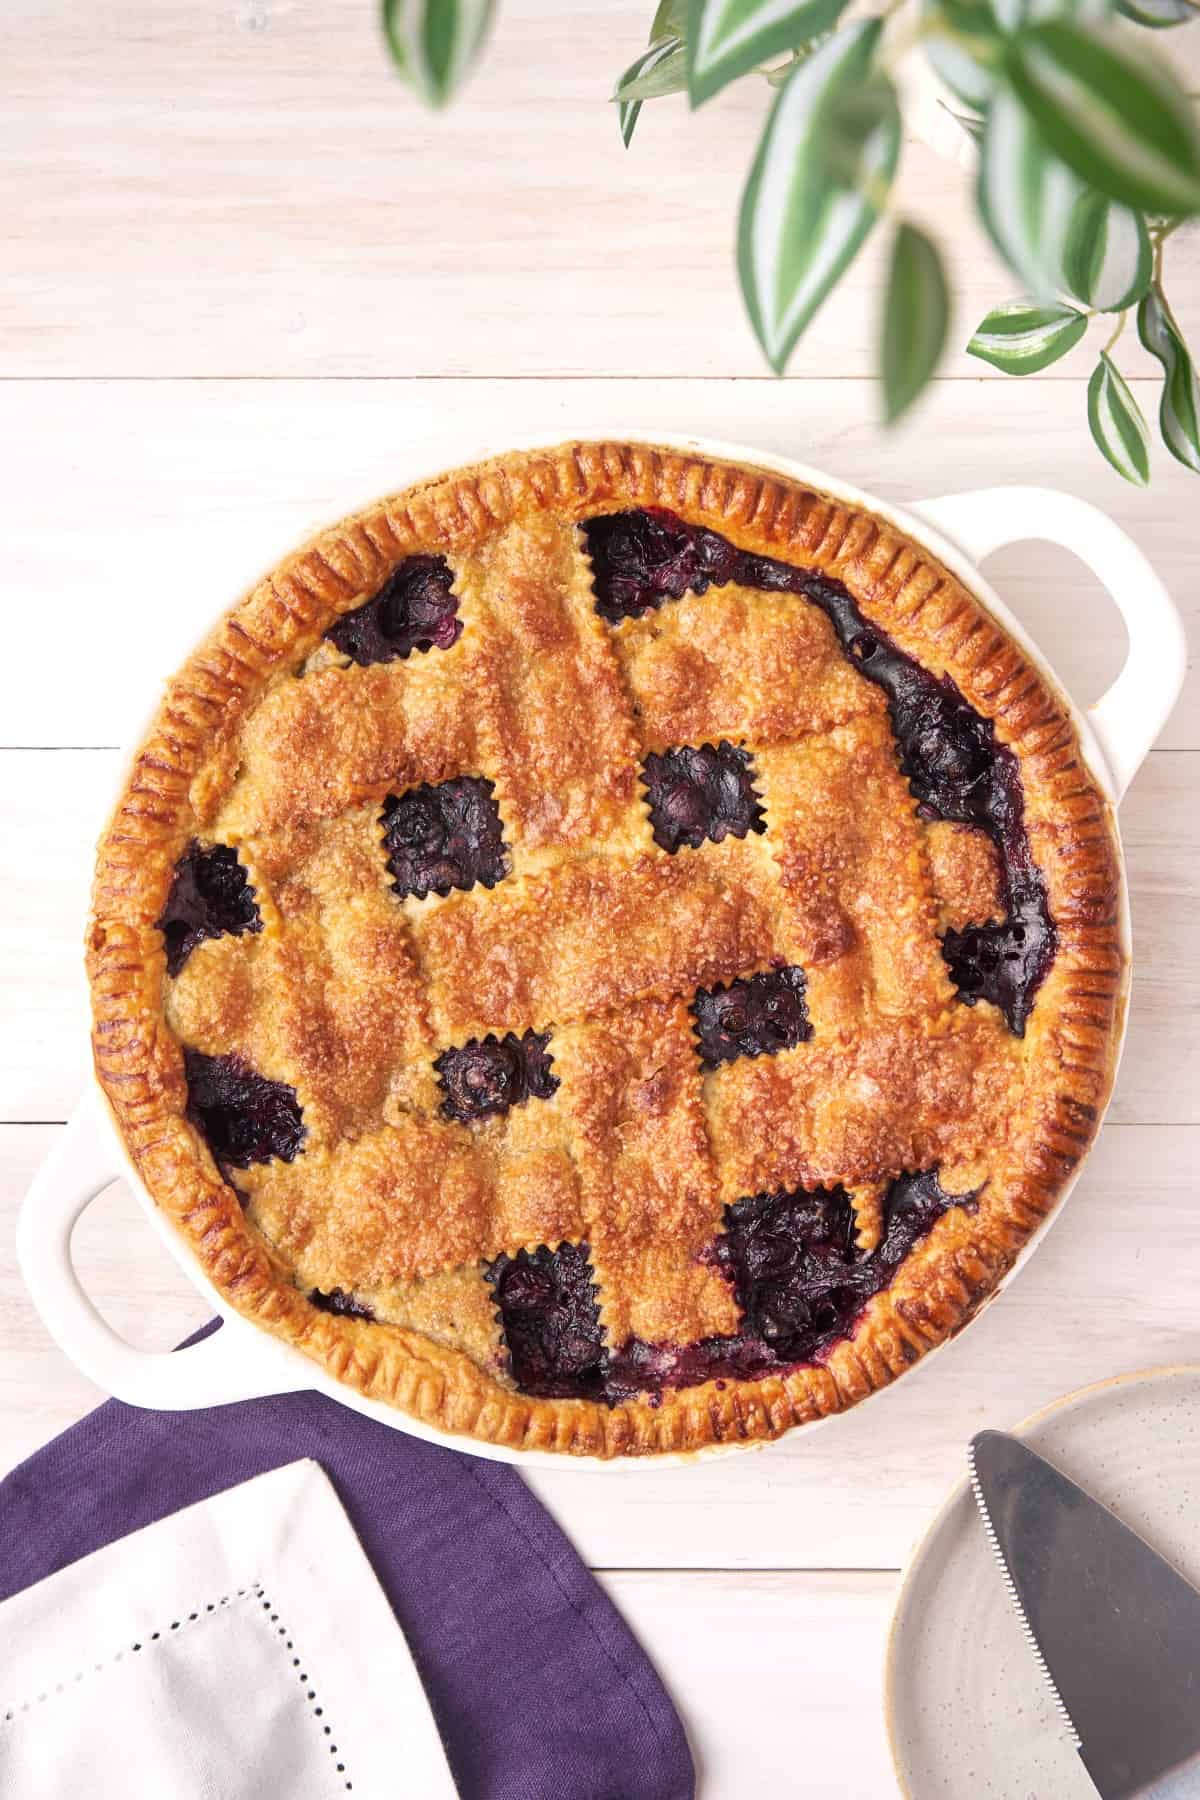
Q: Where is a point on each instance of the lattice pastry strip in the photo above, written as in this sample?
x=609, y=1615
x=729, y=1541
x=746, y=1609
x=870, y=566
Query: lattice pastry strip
x=553, y=718
x=456, y=1309
x=594, y=934
x=420, y=1196
x=320, y=743
x=964, y=870
x=843, y=829
x=899, y=1095
x=736, y=663
x=631, y=1082
x=299, y=1002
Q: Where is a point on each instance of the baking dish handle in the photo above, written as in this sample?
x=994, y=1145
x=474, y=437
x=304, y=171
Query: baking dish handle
x=1128, y=718
x=235, y=1363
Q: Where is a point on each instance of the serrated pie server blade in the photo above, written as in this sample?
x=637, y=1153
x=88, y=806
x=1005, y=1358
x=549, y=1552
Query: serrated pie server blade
x=1114, y=1627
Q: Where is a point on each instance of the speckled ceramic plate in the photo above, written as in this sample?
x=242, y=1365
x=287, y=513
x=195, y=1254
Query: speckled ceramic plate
x=967, y=1712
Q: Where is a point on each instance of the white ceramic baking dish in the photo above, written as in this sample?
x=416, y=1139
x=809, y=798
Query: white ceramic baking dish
x=241, y=1361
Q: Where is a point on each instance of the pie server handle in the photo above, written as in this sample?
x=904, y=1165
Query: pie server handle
x=1128, y=718
x=235, y=1363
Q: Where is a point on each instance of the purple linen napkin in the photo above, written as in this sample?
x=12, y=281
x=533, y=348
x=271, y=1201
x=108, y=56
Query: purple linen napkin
x=538, y=1687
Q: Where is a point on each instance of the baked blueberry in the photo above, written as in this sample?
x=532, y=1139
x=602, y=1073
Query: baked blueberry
x=210, y=895
x=757, y=1015
x=698, y=793
x=444, y=837
x=489, y=1075
x=551, y=1323
x=413, y=610
x=243, y=1117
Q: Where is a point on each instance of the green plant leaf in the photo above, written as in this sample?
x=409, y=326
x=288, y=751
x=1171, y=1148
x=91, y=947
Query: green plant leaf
x=1106, y=253
x=434, y=42
x=1026, y=196
x=1022, y=338
x=916, y=315
x=658, y=71
x=1116, y=117
x=963, y=46
x=1179, y=408
x=1015, y=15
x=627, y=118
x=973, y=127
x=805, y=212
x=1117, y=423
x=1158, y=14
x=728, y=38
x=669, y=21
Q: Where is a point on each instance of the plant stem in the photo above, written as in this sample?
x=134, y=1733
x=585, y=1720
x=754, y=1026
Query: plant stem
x=1120, y=326
x=1159, y=238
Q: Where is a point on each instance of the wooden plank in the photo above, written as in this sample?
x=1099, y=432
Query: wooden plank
x=1109, y=1291
x=778, y=1678
x=156, y=504
x=56, y=801
x=220, y=189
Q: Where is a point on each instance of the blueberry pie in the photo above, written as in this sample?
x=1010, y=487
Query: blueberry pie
x=608, y=951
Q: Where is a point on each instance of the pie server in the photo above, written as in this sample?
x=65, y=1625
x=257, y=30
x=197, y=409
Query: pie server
x=1115, y=1629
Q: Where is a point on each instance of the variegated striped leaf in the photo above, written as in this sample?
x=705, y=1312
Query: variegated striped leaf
x=1117, y=423
x=916, y=314
x=806, y=209
x=1022, y=338
x=728, y=38
x=963, y=45
x=1106, y=255
x=1159, y=14
x=670, y=20
x=1112, y=113
x=1179, y=408
x=658, y=71
x=1026, y=196
x=665, y=55
x=434, y=42
x=1014, y=15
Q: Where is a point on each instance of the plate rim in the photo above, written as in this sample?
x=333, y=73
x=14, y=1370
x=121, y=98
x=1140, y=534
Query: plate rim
x=961, y=1489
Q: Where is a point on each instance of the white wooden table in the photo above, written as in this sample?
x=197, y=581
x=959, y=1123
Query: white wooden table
x=247, y=283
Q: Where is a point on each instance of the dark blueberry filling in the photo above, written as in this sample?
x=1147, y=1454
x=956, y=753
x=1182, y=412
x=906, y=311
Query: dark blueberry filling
x=413, y=610
x=244, y=1117
x=640, y=559
x=755, y=1016
x=345, y=1305
x=956, y=770
x=1005, y=962
x=701, y=793
x=489, y=1075
x=210, y=895
x=948, y=751
x=799, y=1278
x=791, y=1260
x=551, y=1323
x=444, y=837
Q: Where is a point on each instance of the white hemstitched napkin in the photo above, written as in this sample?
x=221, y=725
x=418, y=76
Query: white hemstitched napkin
x=240, y=1649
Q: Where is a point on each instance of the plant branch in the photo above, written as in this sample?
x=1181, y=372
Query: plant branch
x=1120, y=326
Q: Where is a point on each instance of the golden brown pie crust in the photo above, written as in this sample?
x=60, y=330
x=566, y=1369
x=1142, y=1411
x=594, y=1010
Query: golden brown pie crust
x=601, y=932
